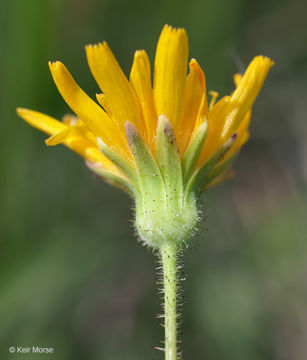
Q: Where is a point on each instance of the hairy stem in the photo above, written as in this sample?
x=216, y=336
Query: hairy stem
x=168, y=257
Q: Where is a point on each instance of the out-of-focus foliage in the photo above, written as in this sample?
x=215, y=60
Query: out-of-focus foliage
x=72, y=275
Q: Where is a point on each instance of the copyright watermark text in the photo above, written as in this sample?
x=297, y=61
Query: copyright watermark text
x=30, y=350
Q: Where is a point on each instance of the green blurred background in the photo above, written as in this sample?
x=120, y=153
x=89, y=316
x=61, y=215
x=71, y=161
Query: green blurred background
x=73, y=276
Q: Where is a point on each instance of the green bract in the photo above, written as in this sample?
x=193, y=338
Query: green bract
x=164, y=186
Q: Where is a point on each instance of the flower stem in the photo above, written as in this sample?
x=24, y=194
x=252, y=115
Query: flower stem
x=168, y=257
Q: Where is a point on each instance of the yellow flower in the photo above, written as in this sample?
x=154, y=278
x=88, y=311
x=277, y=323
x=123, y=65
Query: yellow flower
x=206, y=137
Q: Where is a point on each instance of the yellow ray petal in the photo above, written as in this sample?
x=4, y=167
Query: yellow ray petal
x=170, y=73
x=250, y=84
x=243, y=134
x=140, y=78
x=112, y=81
x=41, y=121
x=195, y=108
x=216, y=119
x=84, y=107
x=247, y=91
x=61, y=133
x=195, y=96
x=75, y=137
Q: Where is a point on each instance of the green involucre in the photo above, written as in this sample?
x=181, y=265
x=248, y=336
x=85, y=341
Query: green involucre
x=164, y=187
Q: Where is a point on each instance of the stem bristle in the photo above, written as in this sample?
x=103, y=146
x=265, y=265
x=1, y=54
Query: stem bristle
x=173, y=281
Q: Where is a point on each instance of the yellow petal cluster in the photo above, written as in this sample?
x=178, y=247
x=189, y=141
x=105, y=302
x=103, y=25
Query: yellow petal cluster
x=177, y=93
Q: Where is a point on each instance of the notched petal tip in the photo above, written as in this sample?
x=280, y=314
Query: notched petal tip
x=93, y=50
x=262, y=64
x=139, y=53
x=90, y=47
x=265, y=59
x=251, y=82
x=248, y=88
x=171, y=28
x=58, y=70
x=180, y=33
x=257, y=69
x=170, y=72
x=54, y=65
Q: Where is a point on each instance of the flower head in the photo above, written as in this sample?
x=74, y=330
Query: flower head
x=163, y=143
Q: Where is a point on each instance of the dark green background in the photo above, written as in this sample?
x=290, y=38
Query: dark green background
x=72, y=275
